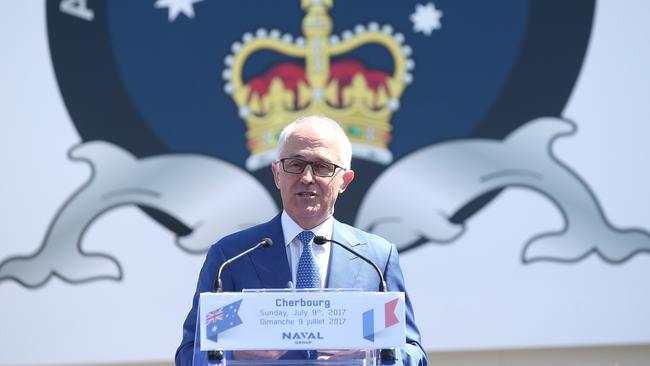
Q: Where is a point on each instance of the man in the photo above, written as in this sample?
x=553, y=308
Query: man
x=311, y=170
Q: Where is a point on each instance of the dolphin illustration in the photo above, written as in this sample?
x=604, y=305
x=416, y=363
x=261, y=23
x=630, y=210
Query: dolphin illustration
x=203, y=193
x=447, y=176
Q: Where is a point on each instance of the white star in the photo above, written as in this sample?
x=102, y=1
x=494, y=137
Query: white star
x=176, y=7
x=426, y=18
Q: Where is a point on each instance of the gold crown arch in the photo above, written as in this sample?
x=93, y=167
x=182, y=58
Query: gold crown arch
x=362, y=108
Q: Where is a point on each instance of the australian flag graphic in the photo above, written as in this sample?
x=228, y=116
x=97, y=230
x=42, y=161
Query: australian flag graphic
x=222, y=319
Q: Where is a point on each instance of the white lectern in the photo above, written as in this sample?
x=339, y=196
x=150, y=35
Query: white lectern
x=291, y=327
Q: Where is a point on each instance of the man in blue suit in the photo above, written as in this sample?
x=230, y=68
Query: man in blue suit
x=312, y=169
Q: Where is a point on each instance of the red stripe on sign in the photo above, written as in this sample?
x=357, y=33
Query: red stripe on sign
x=389, y=312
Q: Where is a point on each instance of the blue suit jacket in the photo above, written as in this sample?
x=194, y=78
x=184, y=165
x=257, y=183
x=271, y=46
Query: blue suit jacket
x=269, y=268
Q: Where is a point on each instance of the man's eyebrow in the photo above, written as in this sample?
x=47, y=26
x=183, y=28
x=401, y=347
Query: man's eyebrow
x=299, y=156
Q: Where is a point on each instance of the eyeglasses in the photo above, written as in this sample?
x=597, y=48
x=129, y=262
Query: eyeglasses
x=319, y=168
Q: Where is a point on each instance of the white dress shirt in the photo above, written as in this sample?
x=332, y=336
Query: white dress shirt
x=294, y=247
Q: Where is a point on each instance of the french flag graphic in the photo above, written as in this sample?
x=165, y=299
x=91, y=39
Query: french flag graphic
x=389, y=320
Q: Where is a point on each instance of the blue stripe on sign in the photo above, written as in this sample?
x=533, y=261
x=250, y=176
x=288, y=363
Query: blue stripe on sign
x=369, y=325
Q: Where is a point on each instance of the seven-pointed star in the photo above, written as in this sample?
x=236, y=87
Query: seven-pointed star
x=426, y=18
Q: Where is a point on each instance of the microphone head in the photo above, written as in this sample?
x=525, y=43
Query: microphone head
x=267, y=242
x=320, y=240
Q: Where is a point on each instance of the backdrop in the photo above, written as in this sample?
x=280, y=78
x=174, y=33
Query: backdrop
x=501, y=146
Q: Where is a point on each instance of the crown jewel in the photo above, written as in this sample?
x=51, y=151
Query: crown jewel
x=360, y=98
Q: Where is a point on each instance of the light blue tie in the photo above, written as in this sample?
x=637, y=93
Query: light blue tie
x=308, y=275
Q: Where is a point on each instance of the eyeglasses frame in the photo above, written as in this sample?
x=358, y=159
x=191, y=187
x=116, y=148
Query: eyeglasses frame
x=310, y=163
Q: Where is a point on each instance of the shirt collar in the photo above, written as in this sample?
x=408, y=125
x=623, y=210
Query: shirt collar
x=291, y=229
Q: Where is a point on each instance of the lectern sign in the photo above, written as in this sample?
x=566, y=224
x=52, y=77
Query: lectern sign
x=301, y=320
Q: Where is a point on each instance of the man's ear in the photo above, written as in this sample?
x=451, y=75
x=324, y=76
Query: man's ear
x=348, y=176
x=276, y=174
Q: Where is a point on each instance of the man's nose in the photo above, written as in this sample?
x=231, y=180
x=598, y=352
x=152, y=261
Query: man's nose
x=307, y=174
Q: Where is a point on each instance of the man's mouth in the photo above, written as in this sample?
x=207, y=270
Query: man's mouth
x=306, y=194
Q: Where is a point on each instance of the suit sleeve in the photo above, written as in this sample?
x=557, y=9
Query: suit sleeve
x=208, y=273
x=412, y=354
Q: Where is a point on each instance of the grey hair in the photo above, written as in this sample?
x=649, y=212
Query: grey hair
x=344, y=144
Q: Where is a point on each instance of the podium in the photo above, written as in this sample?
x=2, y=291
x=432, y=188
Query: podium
x=298, y=327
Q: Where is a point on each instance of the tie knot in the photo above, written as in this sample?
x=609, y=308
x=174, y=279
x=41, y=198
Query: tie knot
x=305, y=237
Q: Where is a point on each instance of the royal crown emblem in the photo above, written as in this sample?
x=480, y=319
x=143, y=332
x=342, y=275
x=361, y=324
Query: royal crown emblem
x=362, y=99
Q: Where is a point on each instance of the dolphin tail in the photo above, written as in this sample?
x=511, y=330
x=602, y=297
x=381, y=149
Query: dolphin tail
x=34, y=271
x=612, y=245
x=544, y=130
x=105, y=159
x=60, y=253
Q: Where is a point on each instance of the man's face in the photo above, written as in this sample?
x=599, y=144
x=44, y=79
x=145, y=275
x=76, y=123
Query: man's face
x=309, y=199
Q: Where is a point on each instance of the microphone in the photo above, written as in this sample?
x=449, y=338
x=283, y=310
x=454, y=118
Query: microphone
x=265, y=243
x=320, y=240
x=217, y=356
x=387, y=354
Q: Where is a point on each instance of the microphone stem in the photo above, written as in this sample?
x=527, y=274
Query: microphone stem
x=387, y=354
x=218, y=287
x=382, y=282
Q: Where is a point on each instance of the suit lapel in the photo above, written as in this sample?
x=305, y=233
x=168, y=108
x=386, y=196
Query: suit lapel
x=344, y=266
x=271, y=264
